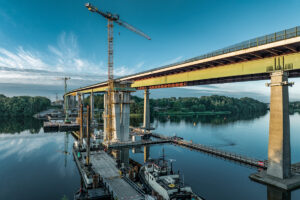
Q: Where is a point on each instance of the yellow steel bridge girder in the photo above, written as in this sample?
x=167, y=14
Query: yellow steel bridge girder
x=86, y=91
x=265, y=65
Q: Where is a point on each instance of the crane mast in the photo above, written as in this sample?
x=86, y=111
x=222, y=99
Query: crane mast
x=111, y=18
x=109, y=125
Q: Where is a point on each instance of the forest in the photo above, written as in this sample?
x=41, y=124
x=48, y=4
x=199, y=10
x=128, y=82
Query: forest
x=22, y=105
x=193, y=105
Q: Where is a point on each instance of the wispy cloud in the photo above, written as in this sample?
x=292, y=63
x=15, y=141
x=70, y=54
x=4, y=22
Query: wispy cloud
x=174, y=60
x=24, y=66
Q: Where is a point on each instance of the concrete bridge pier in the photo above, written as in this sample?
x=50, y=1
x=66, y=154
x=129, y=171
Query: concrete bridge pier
x=66, y=108
x=92, y=106
x=146, y=122
x=279, y=148
x=73, y=102
x=79, y=102
x=278, y=172
x=120, y=113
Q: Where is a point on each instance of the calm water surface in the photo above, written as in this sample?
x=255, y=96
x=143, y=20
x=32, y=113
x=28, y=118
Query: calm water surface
x=33, y=165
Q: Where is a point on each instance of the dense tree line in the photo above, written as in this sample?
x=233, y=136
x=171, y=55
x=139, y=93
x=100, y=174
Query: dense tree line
x=22, y=105
x=202, y=104
x=213, y=103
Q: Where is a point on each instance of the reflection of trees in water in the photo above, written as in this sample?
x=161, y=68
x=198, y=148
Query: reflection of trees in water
x=19, y=124
x=136, y=121
x=204, y=119
x=209, y=119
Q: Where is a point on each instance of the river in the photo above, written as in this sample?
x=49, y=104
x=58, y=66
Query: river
x=38, y=165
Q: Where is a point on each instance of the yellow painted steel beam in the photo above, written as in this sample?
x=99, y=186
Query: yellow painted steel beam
x=266, y=65
x=85, y=91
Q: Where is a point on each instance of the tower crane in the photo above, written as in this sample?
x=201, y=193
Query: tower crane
x=111, y=18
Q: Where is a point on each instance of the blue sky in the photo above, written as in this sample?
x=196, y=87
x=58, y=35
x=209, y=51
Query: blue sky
x=43, y=40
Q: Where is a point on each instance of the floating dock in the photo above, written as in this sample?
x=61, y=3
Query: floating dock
x=103, y=165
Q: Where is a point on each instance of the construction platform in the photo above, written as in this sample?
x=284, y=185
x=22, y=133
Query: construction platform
x=110, y=177
x=60, y=127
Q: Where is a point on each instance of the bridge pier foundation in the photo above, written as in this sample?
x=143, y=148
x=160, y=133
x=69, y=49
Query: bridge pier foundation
x=279, y=149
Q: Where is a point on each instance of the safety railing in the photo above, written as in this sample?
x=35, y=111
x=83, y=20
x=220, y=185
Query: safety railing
x=274, y=37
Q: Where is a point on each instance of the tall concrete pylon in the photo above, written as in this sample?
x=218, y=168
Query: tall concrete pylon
x=279, y=148
x=120, y=113
x=146, y=124
x=79, y=102
x=278, y=171
x=92, y=105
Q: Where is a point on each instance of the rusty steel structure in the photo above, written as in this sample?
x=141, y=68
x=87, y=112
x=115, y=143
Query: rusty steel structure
x=111, y=18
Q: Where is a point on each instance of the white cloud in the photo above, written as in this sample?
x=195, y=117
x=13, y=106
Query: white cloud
x=174, y=60
x=21, y=59
x=61, y=59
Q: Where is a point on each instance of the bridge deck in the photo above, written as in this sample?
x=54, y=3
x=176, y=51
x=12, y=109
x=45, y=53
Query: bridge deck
x=250, y=60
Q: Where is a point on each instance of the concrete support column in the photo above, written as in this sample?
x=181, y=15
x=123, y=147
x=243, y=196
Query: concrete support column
x=66, y=103
x=120, y=113
x=92, y=106
x=74, y=102
x=71, y=100
x=125, y=110
x=279, y=149
x=116, y=117
x=79, y=103
x=104, y=116
x=146, y=124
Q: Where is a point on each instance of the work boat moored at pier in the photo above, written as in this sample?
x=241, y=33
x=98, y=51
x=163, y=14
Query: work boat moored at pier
x=159, y=178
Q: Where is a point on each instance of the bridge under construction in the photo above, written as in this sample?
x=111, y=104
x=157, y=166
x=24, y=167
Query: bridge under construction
x=275, y=56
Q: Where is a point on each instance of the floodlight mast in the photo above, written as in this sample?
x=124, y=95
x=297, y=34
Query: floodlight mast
x=111, y=18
